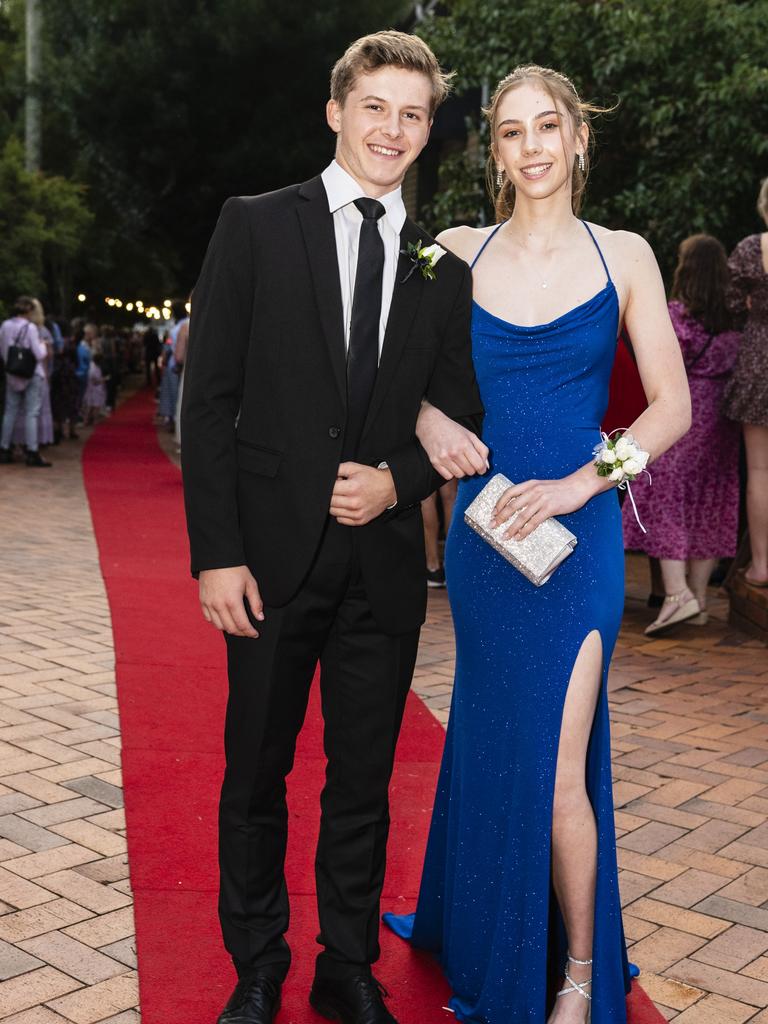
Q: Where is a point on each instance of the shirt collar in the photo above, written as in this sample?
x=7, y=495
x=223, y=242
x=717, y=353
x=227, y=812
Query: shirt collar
x=342, y=189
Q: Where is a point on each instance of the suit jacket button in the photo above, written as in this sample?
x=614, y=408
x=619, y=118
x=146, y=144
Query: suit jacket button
x=334, y=432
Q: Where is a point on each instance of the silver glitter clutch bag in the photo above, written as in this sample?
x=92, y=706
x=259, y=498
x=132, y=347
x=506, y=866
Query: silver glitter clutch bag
x=537, y=555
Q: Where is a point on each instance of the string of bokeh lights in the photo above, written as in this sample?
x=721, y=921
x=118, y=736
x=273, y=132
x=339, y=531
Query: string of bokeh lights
x=148, y=312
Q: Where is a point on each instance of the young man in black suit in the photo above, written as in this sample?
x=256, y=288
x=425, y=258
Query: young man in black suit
x=315, y=336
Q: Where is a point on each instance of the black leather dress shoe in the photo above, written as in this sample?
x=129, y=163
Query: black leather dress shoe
x=357, y=1000
x=256, y=1000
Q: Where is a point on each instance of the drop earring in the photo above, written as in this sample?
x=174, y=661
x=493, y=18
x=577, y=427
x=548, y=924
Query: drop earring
x=499, y=177
x=581, y=162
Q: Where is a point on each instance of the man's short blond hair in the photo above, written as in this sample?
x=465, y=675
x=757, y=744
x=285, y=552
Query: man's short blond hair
x=389, y=49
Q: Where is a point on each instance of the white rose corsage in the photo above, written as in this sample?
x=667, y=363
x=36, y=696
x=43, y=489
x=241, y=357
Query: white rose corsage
x=622, y=460
x=424, y=258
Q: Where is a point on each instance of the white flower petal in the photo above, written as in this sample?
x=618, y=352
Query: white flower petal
x=432, y=252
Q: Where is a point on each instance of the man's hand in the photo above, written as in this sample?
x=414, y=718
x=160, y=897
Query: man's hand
x=361, y=493
x=221, y=596
x=453, y=450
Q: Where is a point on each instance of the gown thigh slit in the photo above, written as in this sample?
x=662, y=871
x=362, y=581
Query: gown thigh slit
x=486, y=904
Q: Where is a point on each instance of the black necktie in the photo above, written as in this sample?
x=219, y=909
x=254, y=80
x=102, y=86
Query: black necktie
x=363, y=353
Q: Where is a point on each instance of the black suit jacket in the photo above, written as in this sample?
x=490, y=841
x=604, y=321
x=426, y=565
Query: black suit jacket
x=265, y=394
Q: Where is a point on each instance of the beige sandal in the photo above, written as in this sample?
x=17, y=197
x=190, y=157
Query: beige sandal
x=688, y=608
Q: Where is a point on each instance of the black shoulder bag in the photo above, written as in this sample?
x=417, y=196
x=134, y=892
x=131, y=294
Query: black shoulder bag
x=21, y=360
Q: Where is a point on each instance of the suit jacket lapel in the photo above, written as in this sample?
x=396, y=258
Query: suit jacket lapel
x=405, y=302
x=317, y=226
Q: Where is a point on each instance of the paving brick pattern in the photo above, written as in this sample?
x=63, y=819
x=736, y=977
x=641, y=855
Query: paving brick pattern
x=690, y=734
x=67, y=948
x=689, y=716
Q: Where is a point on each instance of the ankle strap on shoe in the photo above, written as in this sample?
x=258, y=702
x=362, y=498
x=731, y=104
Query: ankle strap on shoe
x=583, y=963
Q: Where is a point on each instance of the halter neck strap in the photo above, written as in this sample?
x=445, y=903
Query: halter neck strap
x=498, y=227
x=481, y=250
x=599, y=250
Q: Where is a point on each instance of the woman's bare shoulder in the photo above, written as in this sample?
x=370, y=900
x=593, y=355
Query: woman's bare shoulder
x=625, y=246
x=464, y=241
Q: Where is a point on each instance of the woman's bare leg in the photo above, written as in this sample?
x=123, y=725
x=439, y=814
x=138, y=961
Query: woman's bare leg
x=699, y=571
x=431, y=526
x=756, y=443
x=574, y=831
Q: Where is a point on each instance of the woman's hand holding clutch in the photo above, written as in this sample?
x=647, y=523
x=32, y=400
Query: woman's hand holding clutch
x=538, y=500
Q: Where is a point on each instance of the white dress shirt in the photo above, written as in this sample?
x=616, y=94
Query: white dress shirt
x=342, y=190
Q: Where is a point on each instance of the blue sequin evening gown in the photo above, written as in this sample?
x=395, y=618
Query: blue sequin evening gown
x=486, y=904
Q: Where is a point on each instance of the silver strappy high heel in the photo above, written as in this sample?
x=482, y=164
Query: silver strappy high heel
x=577, y=986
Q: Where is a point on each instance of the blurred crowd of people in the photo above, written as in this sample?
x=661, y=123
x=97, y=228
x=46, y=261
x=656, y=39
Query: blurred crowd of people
x=77, y=369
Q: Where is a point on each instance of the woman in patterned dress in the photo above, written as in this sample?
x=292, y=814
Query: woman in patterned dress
x=747, y=393
x=691, y=512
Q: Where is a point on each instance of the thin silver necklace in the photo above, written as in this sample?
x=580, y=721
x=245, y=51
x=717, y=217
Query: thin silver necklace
x=542, y=280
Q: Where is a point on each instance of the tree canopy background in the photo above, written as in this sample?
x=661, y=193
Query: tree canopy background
x=164, y=108
x=687, y=145
x=156, y=110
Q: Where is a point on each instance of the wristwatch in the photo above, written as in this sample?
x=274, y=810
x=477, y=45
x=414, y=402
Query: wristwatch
x=385, y=465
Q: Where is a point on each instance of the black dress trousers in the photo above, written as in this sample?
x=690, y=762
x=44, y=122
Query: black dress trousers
x=365, y=677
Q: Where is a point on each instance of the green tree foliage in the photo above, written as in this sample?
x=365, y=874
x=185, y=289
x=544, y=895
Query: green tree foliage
x=42, y=223
x=167, y=107
x=687, y=145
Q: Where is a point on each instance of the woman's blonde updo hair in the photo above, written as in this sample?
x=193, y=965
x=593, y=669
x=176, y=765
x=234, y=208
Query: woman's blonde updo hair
x=762, y=200
x=563, y=92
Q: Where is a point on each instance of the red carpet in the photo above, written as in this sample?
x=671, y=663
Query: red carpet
x=172, y=691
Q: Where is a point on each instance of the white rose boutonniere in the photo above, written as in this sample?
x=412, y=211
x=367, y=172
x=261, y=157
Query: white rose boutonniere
x=424, y=258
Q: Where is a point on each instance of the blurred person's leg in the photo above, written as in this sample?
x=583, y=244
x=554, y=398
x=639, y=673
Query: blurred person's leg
x=82, y=385
x=177, y=432
x=680, y=602
x=699, y=571
x=13, y=400
x=756, y=444
x=431, y=526
x=448, y=497
x=656, y=596
x=33, y=403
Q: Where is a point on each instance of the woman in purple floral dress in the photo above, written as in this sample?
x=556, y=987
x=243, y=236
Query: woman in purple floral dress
x=691, y=510
x=746, y=399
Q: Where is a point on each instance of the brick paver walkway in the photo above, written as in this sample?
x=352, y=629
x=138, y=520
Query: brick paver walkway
x=66, y=918
x=690, y=729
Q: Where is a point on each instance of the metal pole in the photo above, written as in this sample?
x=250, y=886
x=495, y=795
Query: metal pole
x=32, y=109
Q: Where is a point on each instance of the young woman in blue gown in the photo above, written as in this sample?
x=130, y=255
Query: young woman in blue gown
x=519, y=895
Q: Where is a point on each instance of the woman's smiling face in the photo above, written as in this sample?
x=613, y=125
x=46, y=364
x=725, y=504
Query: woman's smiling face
x=535, y=141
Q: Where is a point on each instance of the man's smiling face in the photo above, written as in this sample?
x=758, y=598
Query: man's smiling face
x=382, y=126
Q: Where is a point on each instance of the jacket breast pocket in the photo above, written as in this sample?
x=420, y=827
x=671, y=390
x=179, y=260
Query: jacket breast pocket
x=252, y=458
